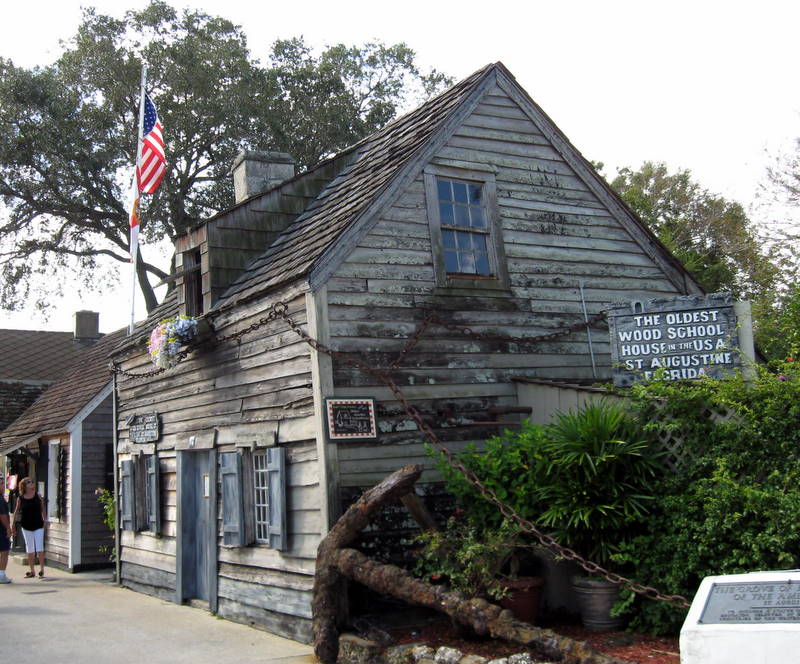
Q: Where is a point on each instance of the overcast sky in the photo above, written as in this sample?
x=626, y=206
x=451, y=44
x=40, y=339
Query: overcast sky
x=705, y=85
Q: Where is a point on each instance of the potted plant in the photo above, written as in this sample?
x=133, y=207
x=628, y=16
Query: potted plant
x=595, y=490
x=169, y=338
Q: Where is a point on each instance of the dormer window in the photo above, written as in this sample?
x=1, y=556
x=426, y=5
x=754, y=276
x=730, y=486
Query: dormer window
x=465, y=228
x=192, y=283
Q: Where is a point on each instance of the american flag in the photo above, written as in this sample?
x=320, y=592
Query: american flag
x=152, y=162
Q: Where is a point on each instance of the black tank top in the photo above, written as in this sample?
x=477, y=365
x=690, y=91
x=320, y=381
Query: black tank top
x=31, y=509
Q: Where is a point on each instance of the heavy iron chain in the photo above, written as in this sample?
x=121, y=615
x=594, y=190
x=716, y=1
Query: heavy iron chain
x=280, y=310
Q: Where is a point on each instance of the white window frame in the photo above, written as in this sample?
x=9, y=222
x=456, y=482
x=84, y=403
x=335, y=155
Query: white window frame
x=498, y=277
x=51, y=492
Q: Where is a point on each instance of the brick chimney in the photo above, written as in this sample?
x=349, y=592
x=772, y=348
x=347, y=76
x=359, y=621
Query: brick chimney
x=86, y=326
x=255, y=172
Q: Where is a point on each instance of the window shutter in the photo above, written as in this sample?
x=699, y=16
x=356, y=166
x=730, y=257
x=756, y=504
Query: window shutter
x=276, y=470
x=140, y=520
x=232, y=505
x=61, y=474
x=126, y=484
x=153, y=495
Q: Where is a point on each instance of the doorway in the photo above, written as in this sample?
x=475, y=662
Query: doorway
x=197, y=542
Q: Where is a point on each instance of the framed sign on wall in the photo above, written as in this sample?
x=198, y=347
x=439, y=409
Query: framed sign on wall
x=351, y=419
x=144, y=428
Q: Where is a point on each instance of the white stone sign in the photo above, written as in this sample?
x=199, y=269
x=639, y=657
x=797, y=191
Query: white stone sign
x=744, y=619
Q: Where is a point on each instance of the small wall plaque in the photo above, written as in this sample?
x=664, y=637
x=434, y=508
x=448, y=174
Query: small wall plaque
x=144, y=428
x=351, y=419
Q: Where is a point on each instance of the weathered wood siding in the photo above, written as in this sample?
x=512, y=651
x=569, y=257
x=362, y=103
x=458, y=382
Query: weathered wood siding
x=97, y=438
x=557, y=237
x=250, y=392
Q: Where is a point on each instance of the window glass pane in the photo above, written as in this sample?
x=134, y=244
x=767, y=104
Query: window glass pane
x=464, y=240
x=450, y=261
x=474, y=194
x=478, y=220
x=460, y=192
x=444, y=190
x=468, y=263
x=446, y=214
x=478, y=242
x=462, y=215
x=449, y=239
x=482, y=264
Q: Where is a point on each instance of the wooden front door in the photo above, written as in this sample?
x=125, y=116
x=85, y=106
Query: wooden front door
x=197, y=560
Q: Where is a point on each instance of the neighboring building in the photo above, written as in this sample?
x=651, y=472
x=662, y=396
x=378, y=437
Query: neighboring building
x=64, y=440
x=474, y=206
x=33, y=359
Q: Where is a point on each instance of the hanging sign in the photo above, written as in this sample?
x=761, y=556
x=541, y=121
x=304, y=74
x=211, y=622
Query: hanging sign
x=680, y=338
x=144, y=428
x=351, y=419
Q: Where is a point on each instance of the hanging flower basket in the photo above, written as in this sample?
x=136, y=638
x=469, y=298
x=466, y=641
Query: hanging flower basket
x=168, y=339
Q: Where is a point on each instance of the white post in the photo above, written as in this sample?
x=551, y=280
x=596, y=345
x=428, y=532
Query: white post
x=744, y=324
x=134, y=241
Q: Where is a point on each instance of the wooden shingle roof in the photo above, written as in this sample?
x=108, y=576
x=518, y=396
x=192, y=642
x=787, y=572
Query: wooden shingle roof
x=37, y=355
x=63, y=400
x=378, y=160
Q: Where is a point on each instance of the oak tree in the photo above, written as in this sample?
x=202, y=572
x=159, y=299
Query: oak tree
x=712, y=236
x=69, y=137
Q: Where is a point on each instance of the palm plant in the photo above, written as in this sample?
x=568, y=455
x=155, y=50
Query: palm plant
x=594, y=485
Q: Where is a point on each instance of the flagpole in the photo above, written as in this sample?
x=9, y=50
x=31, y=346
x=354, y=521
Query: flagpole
x=134, y=214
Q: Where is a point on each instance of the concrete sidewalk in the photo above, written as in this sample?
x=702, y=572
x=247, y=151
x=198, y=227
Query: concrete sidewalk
x=66, y=618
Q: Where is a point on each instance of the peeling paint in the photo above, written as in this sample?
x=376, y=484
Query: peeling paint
x=402, y=425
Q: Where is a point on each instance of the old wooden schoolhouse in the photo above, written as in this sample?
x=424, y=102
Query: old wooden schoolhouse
x=474, y=207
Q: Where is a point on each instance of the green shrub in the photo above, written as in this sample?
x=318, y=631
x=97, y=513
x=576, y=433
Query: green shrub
x=508, y=464
x=467, y=556
x=586, y=478
x=109, y=503
x=734, y=504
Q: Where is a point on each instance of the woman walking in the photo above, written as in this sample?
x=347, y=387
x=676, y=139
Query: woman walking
x=30, y=514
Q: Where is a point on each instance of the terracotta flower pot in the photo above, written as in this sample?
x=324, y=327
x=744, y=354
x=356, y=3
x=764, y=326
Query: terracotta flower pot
x=523, y=600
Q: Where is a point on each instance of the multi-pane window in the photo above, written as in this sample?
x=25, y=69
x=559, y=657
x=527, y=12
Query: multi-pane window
x=465, y=231
x=466, y=228
x=261, y=497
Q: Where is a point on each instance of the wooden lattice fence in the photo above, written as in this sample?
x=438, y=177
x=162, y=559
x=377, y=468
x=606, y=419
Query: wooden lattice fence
x=546, y=399
x=673, y=439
